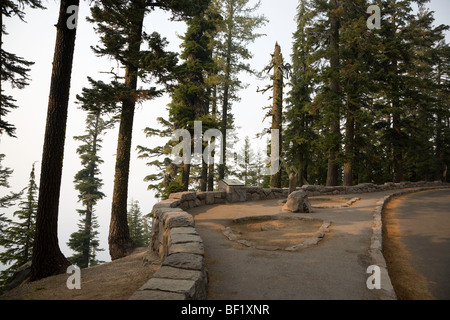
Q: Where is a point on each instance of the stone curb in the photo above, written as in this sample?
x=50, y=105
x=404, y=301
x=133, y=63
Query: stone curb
x=387, y=291
x=318, y=236
x=349, y=203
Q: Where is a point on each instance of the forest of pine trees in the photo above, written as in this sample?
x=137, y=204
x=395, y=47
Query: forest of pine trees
x=352, y=104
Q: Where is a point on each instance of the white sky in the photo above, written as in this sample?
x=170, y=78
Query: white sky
x=35, y=41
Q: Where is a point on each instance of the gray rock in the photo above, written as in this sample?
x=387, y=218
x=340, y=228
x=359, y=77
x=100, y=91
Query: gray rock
x=184, y=238
x=169, y=203
x=185, y=230
x=187, y=195
x=209, y=198
x=190, y=247
x=177, y=273
x=171, y=285
x=298, y=202
x=185, y=261
x=159, y=211
x=177, y=219
x=142, y=295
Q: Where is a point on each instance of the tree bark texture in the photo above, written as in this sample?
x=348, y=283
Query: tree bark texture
x=47, y=257
x=277, y=108
x=333, y=168
x=120, y=242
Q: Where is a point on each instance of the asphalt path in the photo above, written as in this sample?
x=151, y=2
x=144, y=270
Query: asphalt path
x=335, y=269
x=424, y=222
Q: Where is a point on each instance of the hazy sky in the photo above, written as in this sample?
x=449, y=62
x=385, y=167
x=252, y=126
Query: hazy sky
x=35, y=41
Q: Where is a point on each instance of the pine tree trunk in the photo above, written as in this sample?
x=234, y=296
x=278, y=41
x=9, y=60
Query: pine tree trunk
x=439, y=155
x=185, y=176
x=211, y=165
x=47, y=257
x=333, y=168
x=397, y=148
x=87, y=230
x=204, y=176
x=211, y=177
x=120, y=242
x=226, y=92
x=301, y=176
x=349, y=145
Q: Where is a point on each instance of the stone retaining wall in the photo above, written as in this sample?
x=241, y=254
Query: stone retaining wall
x=183, y=273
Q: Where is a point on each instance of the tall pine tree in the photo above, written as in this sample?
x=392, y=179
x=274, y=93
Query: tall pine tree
x=237, y=30
x=139, y=225
x=48, y=259
x=88, y=184
x=18, y=237
x=120, y=25
x=298, y=132
x=190, y=103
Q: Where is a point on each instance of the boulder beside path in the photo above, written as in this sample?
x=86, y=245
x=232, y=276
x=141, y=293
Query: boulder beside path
x=298, y=202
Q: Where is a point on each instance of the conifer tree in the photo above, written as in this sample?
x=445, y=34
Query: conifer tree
x=18, y=237
x=423, y=86
x=190, y=103
x=6, y=200
x=236, y=32
x=120, y=25
x=138, y=225
x=324, y=23
x=88, y=184
x=334, y=102
x=442, y=112
x=13, y=69
x=249, y=166
x=298, y=133
x=190, y=99
x=404, y=94
x=47, y=257
x=388, y=82
x=357, y=44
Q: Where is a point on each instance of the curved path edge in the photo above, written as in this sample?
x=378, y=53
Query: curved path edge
x=386, y=292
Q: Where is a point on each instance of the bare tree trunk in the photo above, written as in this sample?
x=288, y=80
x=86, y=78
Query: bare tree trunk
x=277, y=108
x=47, y=257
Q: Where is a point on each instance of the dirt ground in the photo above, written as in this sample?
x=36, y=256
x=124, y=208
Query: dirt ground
x=398, y=260
x=281, y=233
x=116, y=280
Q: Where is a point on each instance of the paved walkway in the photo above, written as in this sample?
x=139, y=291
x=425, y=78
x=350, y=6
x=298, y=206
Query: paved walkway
x=424, y=220
x=335, y=269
